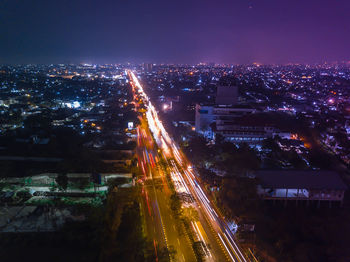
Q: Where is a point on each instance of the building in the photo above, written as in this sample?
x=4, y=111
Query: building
x=247, y=134
x=229, y=119
x=313, y=185
x=234, y=124
x=219, y=115
x=247, y=130
x=204, y=118
x=147, y=67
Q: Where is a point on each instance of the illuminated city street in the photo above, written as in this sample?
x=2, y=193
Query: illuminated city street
x=211, y=227
x=161, y=226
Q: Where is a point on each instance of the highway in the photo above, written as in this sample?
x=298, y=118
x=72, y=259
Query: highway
x=161, y=227
x=211, y=229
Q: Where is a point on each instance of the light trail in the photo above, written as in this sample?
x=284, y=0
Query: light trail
x=200, y=237
x=170, y=149
x=226, y=247
x=203, y=238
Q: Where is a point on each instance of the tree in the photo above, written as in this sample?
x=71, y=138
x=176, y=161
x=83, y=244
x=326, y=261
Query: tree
x=270, y=144
x=237, y=161
x=42, y=121
x=239, y=197
x=198, y=150
x=115, y=182
x=219, y=139
x=62, y=181
x=190, y=213
x=208, y=176
x=175, y=204
x=166, y=253
x=82, y=183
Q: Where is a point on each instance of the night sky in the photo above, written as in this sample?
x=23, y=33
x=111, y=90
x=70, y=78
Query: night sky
x=192, y=31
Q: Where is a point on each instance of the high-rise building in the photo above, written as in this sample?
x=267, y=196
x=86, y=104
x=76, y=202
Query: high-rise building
x=147, y=67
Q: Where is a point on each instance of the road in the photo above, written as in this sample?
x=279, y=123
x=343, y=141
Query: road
x=211, y=228
x=161, y=227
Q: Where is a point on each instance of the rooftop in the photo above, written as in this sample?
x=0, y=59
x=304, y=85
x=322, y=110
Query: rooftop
x=301, y=179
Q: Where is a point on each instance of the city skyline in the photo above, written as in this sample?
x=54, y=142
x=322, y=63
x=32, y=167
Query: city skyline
x=176, y=162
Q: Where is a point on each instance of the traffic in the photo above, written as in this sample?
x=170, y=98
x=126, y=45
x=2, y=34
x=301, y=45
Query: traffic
x=187, y=183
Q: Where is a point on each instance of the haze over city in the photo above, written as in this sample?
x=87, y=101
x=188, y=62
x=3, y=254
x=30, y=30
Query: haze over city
x=231, y=32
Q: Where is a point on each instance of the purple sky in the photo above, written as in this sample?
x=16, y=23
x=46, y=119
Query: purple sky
x=191, y=31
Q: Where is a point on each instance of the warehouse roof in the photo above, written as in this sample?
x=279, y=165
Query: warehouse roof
x=313, y=179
